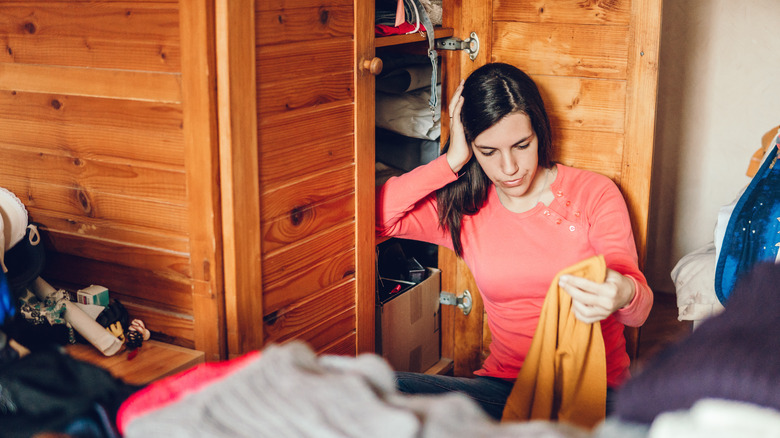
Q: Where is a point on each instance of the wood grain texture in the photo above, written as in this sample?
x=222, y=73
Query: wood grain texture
x=114, y=84
x=82, y=202
x=165, y=263
x=109, y=230
x=562, y=50
x=290, y=321
x=316, y=275
x=586, y=104
x=364, y=123
x=601, y=12
x=95, y=176
x=600, y=152
x=330, y=331
x=302, y=59
x=239, y=174
x=642, y=90
x=153, y=361
x=292, y=200
x=288, y=95
x=302, y=223
x=304, y=24
x=132, y=286
x=345, y=346
x=201, y=156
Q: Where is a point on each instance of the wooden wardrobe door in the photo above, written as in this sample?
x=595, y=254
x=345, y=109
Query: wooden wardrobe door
x=596, y=65
x=309, y=270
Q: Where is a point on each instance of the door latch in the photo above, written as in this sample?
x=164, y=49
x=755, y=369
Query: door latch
x=463, y=302
x=470, y=45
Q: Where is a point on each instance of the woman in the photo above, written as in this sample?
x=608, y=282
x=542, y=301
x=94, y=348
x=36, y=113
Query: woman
x=517, y=218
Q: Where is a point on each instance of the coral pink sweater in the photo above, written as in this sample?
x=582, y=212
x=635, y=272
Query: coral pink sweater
x=514, y=256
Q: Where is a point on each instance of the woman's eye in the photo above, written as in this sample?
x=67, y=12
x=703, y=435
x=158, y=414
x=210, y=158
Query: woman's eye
x=488, y=153
x=523, y=146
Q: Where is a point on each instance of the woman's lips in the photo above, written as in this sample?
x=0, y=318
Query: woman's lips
x=513, y=183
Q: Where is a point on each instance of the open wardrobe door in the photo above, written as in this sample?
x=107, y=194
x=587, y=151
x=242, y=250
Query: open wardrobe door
x=596, y=66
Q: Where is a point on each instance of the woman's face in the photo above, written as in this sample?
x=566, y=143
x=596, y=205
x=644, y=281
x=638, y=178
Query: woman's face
x=508, y=153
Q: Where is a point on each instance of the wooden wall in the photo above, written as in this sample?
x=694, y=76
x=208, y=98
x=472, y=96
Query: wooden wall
x=306, y=124
x=104, y=136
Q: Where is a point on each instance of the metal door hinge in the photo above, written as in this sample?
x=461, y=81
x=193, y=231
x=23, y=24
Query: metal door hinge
x=471, y=45
x=463, y=302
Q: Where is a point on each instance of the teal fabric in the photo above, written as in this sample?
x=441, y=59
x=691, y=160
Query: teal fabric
x=753, y=231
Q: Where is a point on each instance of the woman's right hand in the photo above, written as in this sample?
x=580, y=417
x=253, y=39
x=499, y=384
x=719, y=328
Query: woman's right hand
x=459, y=152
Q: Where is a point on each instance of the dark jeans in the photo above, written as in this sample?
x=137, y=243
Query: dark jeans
x=489, y=392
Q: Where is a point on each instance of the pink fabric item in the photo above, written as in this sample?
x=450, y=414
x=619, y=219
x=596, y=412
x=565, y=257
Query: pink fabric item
x=173, y=388
x=513, y=270
x=400, y=13
x=403, y=29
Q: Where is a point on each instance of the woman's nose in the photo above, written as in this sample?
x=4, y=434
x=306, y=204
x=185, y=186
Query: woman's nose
x=509, y=165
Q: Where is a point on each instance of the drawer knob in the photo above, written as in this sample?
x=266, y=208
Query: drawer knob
x=373, y=66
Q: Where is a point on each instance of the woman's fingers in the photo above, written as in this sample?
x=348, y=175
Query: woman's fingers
x=455, y=98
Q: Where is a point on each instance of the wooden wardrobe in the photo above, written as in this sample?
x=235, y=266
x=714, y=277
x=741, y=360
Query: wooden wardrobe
x=211, y=162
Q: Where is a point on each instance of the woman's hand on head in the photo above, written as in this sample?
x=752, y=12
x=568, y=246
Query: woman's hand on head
x=459, y=152
x=593, y=301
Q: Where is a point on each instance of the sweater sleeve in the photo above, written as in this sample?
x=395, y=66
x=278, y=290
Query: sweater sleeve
x=406, y=204
x=611, y=235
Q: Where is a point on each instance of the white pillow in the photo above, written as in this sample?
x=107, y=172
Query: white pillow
x=694, y=281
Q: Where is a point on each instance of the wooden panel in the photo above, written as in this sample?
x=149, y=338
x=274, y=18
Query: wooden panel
x=78, y=201
x=164, y=263
x=279, y=167
x=288, y=95
x=307, y=221
x=290, y=321
x=589, y=104
x=146, y=288
x=294, y=261
x=95, y=176
x=290, y=201
x=365, y=223
x=95, y=53
x=317, y=275
x=346, y=346
x=107, y=230
x=112, y=35
x=126, y=20
x=600, y=152
x=201, y=152
x=643, y=50
x=330, y=331
x=325, y=136
x=298, y=60
x=300, y=24
x=116, y=84
x=275, y=5
x=562, y=50
x=239, y=174
x=95, y=112
x=118, y=144
x=615, y=12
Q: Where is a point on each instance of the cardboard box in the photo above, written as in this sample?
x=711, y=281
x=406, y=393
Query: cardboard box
x=94, y=294
x=407, y=323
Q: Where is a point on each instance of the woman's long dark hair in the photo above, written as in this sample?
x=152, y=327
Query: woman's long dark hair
x=490, y=93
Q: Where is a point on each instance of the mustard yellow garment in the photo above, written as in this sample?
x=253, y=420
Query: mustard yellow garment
x=564, y=375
